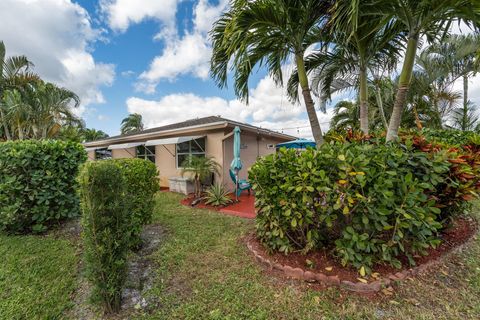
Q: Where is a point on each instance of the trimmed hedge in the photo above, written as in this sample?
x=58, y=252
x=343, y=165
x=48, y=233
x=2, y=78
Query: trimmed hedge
x=142, y=183
x=106, y=224
x=368, y=202
x=37, y=183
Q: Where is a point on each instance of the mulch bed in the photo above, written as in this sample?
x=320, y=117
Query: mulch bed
x=201, y=205
x=460, y=231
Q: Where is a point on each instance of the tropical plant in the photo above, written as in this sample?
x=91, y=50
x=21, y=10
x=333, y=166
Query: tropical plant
x=38, y=110
x=345, y=115
x=132, y=123
x=217, y=195
x=268, y=32
x=372, y=202
x=358, y=46
x=14, y=72
x=430, y=18
x=201, y=168
x=93, y=134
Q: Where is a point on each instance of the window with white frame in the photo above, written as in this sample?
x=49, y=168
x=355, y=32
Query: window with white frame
x=146, y=152
x=194, y=148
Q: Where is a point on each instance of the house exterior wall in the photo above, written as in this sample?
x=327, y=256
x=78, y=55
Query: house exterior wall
x=253, y=147
x=166, y=161
x=124, y=153
x=218, y=144
x=90, y=155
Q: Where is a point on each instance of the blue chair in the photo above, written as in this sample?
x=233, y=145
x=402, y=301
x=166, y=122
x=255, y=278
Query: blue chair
x=242, y=184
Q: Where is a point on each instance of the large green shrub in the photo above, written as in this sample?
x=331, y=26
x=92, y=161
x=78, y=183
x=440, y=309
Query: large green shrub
x=106, y=223
x=368, y=202
x=142, y=183
x=37, y=183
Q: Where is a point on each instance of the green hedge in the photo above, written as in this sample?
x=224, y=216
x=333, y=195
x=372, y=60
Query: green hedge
x=368, y=202
x=37, y=183
x=142, y=183
x=106, y=224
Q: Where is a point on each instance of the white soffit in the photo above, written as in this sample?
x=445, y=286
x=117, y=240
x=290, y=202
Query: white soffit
x=175, y=140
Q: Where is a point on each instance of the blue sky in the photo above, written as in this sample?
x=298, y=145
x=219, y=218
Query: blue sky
x=145, y=56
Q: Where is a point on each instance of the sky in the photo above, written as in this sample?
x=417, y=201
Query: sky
x=143, y=56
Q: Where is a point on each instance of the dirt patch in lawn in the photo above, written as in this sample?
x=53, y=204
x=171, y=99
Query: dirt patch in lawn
x=140, y=277
x=323, y=261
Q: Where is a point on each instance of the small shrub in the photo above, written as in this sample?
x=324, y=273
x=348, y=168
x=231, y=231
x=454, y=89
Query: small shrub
x=142, y=183
x=368, y=201
x=217, y=195
x=105, y=224
x=37, y=183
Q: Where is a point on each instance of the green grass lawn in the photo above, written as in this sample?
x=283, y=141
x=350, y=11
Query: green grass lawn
x=205, y=272
x=37, y=276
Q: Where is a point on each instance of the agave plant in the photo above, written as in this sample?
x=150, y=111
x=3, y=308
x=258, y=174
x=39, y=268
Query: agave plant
x=217, y=195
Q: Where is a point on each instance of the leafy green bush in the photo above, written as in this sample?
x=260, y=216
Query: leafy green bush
x=217, y=195
x=368, y=202
x=105, y=224
x=141, y=178
x=37, y=183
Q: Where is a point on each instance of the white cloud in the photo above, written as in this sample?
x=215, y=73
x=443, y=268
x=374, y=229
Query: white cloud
x=188, y=55
x=268, y=108
x=121, y=14
x=184, y=55
x=55, y=35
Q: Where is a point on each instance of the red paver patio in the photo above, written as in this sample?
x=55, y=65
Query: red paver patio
x=245, y=208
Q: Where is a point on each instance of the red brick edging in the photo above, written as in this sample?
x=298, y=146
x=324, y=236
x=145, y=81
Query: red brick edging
x=374, y=286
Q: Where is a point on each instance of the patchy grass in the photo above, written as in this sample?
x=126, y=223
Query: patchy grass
x=206, y=272
x=37, y=276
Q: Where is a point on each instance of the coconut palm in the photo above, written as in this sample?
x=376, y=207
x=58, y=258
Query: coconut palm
x=429, y=18
x=201, y=168
x=270, y=33
x=132, y=123
x=14, y=72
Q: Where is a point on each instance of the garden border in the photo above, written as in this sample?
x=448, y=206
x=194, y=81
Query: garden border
x=371, y=287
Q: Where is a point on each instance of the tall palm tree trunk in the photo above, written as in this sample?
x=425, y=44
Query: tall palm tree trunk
x=3, y=121
x=378, y=96
x=363, y=101
x=307, y=97
x=403, y=87
x=465, y=103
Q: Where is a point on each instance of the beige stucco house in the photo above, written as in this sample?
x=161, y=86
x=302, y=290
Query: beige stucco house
x=169, y=145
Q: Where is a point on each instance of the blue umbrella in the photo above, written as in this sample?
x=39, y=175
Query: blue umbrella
x=236, y=164
x=297, y=144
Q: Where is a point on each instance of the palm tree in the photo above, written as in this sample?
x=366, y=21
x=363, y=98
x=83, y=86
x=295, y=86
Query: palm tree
x=201, y=168
x=14, y=71
x=93, y=134
x=51, y=108
x=268, y=32
x=369, y=43
x=466, y=118
x=39, y=110
x=457, y=54
x=132, y=123
x=345, y=115
x=430, y=18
